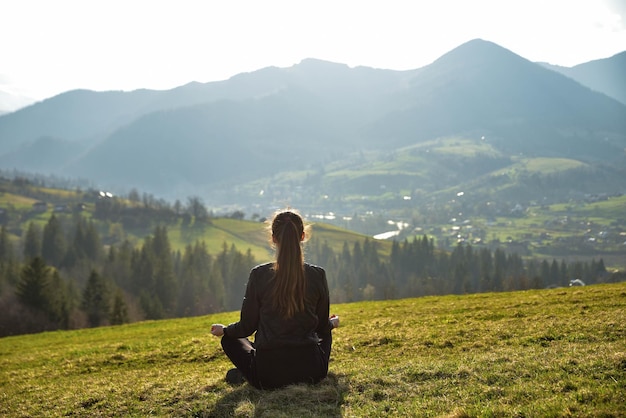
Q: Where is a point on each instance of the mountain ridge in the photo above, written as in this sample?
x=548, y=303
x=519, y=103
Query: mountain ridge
x=205, y=136
x=604, y=75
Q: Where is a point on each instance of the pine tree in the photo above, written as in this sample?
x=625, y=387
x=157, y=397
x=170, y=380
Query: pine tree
x=554, y=273
x=92, y=243
x=96, y=300
x=32, y=289
x=119, y=313
x=166, y=286
x=32, y=242
x=78, y=247
x=9, y=265
x=59, y=301
x=53, y=245
x=6, y=248
x=499, y=269
x=486, y=270
x=118, y=265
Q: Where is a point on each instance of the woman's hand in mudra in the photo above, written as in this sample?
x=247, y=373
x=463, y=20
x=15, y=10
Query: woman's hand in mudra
x=217, y=330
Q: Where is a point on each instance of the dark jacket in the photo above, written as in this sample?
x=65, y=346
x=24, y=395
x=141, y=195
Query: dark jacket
x=273, y=331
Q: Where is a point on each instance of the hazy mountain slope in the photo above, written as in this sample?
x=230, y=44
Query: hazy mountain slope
x=79, y=115
x=319, y=111
x=306, y=114
x=89, y=116
x=212, y=143
x=481, y=89
x=606, y=75
x=46, y=155
x=315, y=114
x=317, y=76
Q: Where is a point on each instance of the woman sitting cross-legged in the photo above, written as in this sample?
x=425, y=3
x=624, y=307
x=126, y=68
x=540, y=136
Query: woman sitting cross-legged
x=287, y=304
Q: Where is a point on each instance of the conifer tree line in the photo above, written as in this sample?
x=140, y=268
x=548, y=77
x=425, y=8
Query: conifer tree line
x=61, y=276
x=416, y=268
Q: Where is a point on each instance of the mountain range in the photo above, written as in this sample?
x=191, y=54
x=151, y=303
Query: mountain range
x=326, y=128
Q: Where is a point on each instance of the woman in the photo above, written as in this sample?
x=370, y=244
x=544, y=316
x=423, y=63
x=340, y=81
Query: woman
x=287, y=305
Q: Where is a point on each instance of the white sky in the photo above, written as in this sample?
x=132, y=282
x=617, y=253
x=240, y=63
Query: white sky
x=48, y=47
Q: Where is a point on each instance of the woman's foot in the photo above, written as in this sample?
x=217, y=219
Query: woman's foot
x=234, y=377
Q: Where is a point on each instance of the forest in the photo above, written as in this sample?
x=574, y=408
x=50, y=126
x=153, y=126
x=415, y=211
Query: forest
x=63, y=276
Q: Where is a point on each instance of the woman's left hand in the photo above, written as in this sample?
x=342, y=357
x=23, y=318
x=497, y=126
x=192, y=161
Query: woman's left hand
x=217, y=330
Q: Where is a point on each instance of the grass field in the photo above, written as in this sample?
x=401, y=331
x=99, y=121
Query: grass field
x=545, y=353
x=17, y=201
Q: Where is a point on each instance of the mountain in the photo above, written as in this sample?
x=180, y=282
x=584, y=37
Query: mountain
x=482, y=89
x=320, y=126
x=44, y=155
x=604, y=75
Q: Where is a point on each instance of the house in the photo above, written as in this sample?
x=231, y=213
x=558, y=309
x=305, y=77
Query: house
x=40, y=207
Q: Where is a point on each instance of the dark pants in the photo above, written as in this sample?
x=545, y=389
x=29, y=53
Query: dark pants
x=270, y=369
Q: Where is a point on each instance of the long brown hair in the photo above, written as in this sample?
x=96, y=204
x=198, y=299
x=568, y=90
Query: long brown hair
x=288, y=231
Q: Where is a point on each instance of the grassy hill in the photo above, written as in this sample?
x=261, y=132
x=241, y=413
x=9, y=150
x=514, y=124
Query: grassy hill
x=557, y=352
x=254, y=236
x=244, y=234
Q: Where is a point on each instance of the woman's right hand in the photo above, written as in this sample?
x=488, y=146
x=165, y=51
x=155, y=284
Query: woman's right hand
x=334, y=320
x=217, y=330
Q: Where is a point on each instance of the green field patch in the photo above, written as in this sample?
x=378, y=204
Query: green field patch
x=551, y=165
x=335, y=238
x=17, y=201
x=57, y=193
x=464, y=147
x=243, y=235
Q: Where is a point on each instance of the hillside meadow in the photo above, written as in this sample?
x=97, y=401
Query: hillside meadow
x=549, y=353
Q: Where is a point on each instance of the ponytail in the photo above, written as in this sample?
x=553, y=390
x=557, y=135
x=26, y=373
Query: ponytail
x=289, y=284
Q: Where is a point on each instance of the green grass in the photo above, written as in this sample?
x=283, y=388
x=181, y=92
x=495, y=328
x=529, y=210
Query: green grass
x=335, y=237
x=611, y=209
x=463, y=147
x=550, y=165
x=243, y=234
x=548, y=353
x=17, y=201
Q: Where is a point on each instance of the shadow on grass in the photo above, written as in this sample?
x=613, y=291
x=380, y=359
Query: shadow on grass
x=321, y=400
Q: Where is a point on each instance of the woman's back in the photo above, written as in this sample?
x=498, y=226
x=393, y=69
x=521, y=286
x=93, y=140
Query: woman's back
x=275, y=330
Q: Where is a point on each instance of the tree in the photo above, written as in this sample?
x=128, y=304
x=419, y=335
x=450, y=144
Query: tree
x=133, y=196
x=499, y=269
x=32, y=242
x=32, y=289
x=96, y=300
x=166, y=286
x=196, y=208
x=59, y=301
x=119, y=313
x=554, y=273
x=118, y=265
x=53, y=245
x=9, y=265
x=6, y=248
x=92, y=243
